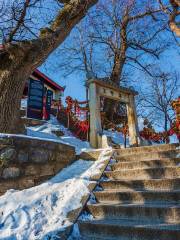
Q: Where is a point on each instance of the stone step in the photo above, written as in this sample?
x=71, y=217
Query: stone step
x=148, y=156
x=147, y=149
x=144, y=164
x=158, y=197
x=138, y=212
x=139, y=200
x=127, y=230
x=146, y=173
x=151, y=184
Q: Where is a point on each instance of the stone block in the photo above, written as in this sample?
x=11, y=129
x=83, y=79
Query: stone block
x=23, y=156
x=7, y=154
x=5, y=185
x=32, y=170
x=64, y=148
x=26, y=183
x=39, y=170
x=11, y=172
x=41, y=179
x=59, y=166
x=47, y=169
x=64, y=158
x=39, y=155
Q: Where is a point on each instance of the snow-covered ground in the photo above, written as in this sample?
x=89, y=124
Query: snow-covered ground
x=41, y=211
x=117, y=137
x=46, y=132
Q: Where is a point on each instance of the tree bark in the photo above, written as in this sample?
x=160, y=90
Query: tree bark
x=120, y=54
x=11, y=87
x=18, y=60
x=119, y=61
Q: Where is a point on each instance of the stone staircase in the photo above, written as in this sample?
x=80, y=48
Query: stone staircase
x=139, y=197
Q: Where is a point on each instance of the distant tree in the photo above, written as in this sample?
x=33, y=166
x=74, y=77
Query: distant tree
x=27, y=40
x=120, y=36
x=155, y=99
x=78, y=54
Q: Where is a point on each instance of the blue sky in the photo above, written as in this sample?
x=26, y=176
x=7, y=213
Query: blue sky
x=75, y=82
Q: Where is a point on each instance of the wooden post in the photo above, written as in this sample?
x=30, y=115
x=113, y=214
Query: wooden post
x=68, y=123
x=134, y=139
x=87, y=113
x=95, y=117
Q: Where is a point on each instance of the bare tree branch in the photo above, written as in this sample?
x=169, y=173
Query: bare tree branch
x=173, y=13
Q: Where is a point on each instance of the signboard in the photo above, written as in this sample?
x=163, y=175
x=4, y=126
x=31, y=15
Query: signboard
x=35, y=99
x=49, y=96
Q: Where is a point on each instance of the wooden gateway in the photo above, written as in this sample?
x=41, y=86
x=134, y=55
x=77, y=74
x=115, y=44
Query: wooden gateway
x=106, y=88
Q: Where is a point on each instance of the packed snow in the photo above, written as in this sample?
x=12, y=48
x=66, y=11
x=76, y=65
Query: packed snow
x=41, y=212
x=46, y=130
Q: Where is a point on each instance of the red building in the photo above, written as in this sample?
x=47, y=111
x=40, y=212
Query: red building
x=48, y=84
x=39, y=106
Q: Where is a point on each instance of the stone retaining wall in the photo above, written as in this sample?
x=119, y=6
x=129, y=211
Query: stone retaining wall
x=25, y=161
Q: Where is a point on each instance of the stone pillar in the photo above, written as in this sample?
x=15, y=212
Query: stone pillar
x=95, y=117
x=134, y=138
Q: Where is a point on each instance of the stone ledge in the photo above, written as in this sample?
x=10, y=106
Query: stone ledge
x=91, y=155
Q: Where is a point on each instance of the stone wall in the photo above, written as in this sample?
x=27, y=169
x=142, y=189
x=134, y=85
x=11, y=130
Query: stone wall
x=25, y=161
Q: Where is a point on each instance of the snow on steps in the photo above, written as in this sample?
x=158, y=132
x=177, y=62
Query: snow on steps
x=98, y=168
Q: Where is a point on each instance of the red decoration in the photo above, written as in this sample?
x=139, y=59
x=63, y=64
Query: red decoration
x=74, y=113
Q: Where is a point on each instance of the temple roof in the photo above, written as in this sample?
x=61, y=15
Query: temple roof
x=47, y=80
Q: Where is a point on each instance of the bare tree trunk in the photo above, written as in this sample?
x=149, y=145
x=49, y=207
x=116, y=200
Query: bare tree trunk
x=119, y=61
x=165, y=123
x=11, y=88
x=120, y=54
